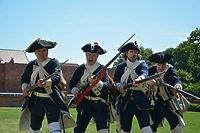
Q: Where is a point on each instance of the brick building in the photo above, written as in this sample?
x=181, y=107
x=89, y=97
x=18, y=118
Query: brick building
x=11, y=69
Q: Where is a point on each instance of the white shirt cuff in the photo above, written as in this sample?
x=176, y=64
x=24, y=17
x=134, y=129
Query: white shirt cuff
x=74, y=90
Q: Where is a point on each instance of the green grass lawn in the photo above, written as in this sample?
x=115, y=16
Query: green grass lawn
x=9, y=123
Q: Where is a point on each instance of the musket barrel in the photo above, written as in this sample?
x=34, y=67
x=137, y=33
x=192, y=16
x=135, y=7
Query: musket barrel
x=119, y=49
x=143, y=80
x=188, y=94
x=150, y=77
x=115, y=57
x=181, y=91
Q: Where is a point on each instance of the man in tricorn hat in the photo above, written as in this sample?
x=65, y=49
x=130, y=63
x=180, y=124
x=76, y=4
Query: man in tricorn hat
x=134, y=100
x=94, y=103
x=162, y=95
x=45, y=99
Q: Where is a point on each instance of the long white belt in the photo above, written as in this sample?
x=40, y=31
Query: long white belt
x=95, y=98
x=134, y=88
x=41, y=94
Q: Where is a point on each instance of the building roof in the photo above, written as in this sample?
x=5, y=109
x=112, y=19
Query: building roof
x=18, y=56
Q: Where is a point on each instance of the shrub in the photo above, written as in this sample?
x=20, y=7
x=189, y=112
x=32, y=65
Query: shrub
x=194, y=107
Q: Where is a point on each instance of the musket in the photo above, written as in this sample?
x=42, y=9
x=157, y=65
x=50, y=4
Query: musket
x=179, y=90
x=118, y=93
x=32, y=88
x=142, y=80
x=62, y=122
x=62, y=63
x=85, y=89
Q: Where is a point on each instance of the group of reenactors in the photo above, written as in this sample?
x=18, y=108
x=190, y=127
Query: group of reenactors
x=142, y=91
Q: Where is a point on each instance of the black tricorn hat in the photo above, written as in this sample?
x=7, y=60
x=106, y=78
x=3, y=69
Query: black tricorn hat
x=40, y=43
x=93, y=48
x=160, y=57
x=130, y=46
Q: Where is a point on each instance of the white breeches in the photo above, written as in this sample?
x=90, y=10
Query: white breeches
x=177, y=129
x=143, y=130
x=54, y=127
x=33, y=131
x=146, y=130
x=103, y=131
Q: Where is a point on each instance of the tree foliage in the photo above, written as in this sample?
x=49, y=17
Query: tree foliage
x=187, y=54
x=145, y=54
x=119, y=60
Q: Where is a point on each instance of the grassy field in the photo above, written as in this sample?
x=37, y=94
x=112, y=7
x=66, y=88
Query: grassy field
x=9, y=123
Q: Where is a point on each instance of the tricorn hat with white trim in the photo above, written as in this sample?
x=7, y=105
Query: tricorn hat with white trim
x=93, y=48
x=160, y=57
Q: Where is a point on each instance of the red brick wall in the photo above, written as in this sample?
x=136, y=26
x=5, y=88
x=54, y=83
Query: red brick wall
x=9, y=101
x=68, y=71
x=1, y=77
x=10, y=75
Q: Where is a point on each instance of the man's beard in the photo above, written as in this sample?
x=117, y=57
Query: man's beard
x=132, y=59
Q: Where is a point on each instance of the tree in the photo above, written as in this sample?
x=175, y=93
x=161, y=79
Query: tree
x=170, y=51
x=194, y=58
x=119, y=60
x=181, y=56
x=145, y=54
x=187, y=54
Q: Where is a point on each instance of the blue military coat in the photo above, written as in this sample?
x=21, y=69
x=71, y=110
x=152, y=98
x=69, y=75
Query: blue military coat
x=170, y=76
x=55, y=95
x=138, y=96
x=75, y=80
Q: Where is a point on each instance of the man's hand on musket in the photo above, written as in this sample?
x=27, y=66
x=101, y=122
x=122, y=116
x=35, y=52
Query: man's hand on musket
x=120, y=87
x=176, y=88
x=25, y=92
x=136, y=84
x=153, y=83
x=92, y=79
x=76, y=93
x=40, y=83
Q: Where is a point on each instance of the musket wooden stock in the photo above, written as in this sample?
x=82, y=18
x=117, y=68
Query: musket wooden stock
x=79, y=98
x=30, y=89
x=113, y=89
x=81, y=93
x=74, y=99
